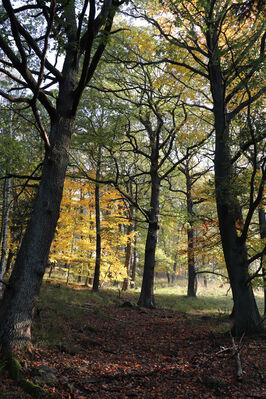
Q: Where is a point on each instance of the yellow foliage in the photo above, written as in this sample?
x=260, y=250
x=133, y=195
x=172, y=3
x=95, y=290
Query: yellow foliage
x=75, y=240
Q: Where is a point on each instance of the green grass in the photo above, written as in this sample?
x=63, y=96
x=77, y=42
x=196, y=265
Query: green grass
x=60, y=308
x=215, y=300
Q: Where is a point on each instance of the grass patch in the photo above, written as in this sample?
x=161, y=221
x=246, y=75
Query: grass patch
x=214, y=300
x=61, y=311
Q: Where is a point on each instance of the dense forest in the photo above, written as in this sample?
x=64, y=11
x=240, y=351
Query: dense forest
x=132, y=150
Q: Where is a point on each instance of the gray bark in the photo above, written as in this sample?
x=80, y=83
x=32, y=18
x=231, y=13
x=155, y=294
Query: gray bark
x=96, y=279
x=147, y=296
x=5, y=216
x=26, y=278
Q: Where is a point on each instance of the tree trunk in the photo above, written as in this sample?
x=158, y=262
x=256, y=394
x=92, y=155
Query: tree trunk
x=128, y=250
x=51, y=270
x=135, y=254
x=147, y=296
x=192, y=276
x=96, y=278
x=262, y=223
x=5, y=216
x=246, y=314
x=205, y=281
x=26, y=278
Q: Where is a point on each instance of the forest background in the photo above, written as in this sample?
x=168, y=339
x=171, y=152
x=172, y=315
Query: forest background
x=165, y=169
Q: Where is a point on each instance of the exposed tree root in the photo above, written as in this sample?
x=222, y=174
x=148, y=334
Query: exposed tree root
x=15, y=370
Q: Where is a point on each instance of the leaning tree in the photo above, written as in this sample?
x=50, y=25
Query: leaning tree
x=36, y=38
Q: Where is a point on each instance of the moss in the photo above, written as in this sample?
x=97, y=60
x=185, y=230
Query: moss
x=14, y=368
x=34, y=390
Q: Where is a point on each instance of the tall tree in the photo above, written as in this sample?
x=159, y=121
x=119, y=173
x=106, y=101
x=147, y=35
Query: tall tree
x=225, y=52
x=79, y=32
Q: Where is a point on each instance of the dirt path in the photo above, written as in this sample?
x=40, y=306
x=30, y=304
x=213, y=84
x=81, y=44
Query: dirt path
x=131, y=353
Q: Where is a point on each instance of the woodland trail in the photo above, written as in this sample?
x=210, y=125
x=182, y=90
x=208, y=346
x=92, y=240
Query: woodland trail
x=121, y=352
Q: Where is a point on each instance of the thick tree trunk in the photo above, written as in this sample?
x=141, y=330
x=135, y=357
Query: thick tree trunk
x=192, y=276
x=262, y=223
x=147, y=296
x=96, y=279
x=246, y=314
x=26, y=278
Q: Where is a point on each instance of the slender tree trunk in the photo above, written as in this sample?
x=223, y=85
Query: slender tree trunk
x=205, y=281
x=96, y=279
x=128, y=250
x=51, y=270
x=135, y=254
x=246, y=314
x=72, y=245
x=192, y=276
x=6, y=211
x=147, y=296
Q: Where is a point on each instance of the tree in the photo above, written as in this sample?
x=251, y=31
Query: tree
x=80, y=37
x=225, y=52
x=74, y=249
x=155, y=124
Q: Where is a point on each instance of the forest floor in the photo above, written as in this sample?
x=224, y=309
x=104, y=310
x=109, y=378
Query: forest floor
x=99, y=346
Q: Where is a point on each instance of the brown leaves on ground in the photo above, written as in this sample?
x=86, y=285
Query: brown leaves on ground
x=137, y=353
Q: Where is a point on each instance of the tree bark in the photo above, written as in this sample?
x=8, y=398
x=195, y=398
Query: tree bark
x=26, y=278
x=128, y=250
x=262, y=223
x=96, y=279
x=25, y=281
x=147, y=296
x=192, y=276
x=5, y=216
x=246, y=314
x=135, y=254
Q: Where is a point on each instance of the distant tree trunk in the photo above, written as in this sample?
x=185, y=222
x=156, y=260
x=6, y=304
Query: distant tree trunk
x=51, y=269
x=135, y=254
x=192, y=276
x=5, y=220
x=128, y=250
x=174, y=269
x=262, y=223
x=205, y=281
x=72, y=244
x=246, y=314
x=96, y=279
x=147, y=295
x=68, y=273
x=80, y=274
